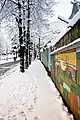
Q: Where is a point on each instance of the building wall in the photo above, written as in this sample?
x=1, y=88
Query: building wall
x=66, y=75
x=70, y=36
x=46, y=58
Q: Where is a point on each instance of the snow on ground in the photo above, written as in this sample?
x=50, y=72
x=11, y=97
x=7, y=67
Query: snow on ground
x=30, y=96
x=11, y=59
x=6, y=61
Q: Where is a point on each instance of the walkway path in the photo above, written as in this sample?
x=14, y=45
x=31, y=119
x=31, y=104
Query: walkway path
x=31, y=96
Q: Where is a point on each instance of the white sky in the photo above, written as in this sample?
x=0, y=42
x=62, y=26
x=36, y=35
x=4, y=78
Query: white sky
x=63, y=8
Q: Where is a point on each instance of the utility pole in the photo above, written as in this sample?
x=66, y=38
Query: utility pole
x=39, y=50
x=21, y=50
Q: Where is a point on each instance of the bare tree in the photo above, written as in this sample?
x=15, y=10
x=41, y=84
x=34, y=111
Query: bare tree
x=14, y=8
x=35, y=14
x=40, y=12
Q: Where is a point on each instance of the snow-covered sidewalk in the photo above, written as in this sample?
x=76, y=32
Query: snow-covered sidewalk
x=30, y=96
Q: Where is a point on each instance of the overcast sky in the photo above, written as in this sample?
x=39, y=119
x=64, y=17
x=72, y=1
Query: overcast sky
x=63, y=8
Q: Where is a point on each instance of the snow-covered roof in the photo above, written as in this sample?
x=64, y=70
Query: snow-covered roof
x=45, y=43
x=73, y=21
x=75, y=9
x=60, y=36
x=49, y=45
x=71, y=45
x=55, y=29
x=64, y=29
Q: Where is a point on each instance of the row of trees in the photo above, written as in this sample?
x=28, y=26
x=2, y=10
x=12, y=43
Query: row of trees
x=30, y=18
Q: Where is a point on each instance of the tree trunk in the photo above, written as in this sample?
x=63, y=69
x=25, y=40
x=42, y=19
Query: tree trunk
x=21, y=51
x=28, y=60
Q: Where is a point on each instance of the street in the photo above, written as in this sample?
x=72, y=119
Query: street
x=6, y=66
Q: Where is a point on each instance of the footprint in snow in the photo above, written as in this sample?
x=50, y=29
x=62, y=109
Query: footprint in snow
x=1, y=118
x=37, y=76
x=14, y=117
x=35, y=99
x=22, y=113
x=9, y=117
x=36, y=118
x=31, y=108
